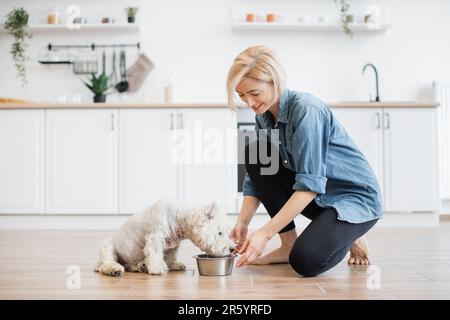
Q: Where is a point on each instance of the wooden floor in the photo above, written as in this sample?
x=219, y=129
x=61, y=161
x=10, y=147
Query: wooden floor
x=414, y=263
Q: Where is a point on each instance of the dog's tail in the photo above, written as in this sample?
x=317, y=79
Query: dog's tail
x=107, y=260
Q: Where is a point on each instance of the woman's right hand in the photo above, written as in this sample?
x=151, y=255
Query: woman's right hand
x=239, y=234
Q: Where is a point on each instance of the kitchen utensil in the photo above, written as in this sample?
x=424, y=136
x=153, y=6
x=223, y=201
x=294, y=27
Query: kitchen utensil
x=215, y=266
x=122, y=86
x=104, y=62
x=113, y=76
x=138, y=72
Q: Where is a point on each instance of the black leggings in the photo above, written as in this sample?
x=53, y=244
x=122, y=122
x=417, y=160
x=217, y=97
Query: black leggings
x=325, y=241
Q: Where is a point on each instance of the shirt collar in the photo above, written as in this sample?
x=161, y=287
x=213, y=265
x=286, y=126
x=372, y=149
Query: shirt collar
x=282, y=112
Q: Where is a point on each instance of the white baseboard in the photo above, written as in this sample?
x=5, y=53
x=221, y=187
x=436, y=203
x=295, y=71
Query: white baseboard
x=409, y=220
x=111, y=222
x=67, y=222
x=445, y=207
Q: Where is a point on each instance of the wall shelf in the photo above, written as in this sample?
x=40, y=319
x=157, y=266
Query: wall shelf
x=134, y=27
x=301, y=26
x=87, y=27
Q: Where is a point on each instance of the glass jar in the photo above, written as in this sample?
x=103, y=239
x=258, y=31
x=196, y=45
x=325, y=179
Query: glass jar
x=53, y=17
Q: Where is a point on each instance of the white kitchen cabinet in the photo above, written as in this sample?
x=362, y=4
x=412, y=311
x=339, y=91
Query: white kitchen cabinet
x=176, y=153
x=21, y=161
x=207, y=166
x=400, y=145
x=81, y=161
x=147, y=171
x=109, y=161
x=411, y=161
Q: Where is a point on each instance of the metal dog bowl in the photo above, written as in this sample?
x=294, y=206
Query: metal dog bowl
x=215, y=266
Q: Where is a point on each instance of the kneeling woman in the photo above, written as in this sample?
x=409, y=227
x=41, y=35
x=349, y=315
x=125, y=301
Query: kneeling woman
x=322, y=174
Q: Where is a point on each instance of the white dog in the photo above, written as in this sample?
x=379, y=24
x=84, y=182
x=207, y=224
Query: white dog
x=148, y=241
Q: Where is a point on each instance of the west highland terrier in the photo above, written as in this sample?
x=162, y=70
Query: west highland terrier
x=149, y=240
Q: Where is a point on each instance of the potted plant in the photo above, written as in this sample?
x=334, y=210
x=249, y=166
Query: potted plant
x=131, y=13
x=99, y=86
x=345, y=17
x=16, y=25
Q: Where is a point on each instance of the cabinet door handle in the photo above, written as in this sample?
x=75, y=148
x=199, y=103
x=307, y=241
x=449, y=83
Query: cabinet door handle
x=387, y=123
x=378, y=119
x=180, y=121
x=112, y=121
x=171, y=121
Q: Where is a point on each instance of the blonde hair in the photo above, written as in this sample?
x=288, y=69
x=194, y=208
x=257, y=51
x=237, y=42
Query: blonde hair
x=260, y=63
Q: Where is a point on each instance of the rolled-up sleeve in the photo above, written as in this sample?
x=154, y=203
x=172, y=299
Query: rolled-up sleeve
x=247, y=187
x=309, y=150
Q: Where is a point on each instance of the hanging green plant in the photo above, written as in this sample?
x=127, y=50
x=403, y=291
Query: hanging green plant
x=345, y=17
x=16, y=25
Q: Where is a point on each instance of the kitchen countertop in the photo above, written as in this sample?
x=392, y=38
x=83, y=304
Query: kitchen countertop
x=350, y=104
x=387, y=104
x=119, y=105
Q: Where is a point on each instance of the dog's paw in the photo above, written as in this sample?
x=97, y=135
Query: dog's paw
x=177, y=266
x=111, y=268
x=141, y=267
x=156, y=269
x=157, y=272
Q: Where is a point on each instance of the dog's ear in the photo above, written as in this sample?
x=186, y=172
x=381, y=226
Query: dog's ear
x=211, y=210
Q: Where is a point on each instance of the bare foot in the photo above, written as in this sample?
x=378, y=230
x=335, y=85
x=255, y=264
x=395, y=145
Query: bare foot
x=280, y=255
x=359, y=252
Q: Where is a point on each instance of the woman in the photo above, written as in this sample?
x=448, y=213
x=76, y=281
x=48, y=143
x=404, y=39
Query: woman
x=322, y=174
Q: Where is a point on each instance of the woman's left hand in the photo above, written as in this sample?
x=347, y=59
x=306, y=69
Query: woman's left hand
x=252, y=248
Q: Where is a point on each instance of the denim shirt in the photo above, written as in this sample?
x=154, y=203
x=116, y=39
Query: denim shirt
x=324, y=158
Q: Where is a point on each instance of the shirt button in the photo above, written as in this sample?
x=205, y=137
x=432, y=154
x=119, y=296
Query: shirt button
x=285, y=161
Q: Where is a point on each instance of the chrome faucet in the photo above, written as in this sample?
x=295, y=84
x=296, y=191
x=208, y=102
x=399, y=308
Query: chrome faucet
x=377, y=98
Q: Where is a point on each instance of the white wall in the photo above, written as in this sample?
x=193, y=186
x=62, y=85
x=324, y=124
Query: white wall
x=193, y=41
